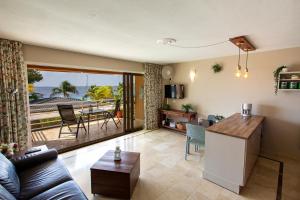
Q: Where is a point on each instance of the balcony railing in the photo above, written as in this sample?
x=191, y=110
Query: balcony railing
x=46, y=116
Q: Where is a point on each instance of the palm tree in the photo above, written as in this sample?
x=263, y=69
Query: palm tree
x=100, y=92
x=64, y=88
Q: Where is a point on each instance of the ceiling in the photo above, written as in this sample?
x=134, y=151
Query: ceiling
x=128, y=29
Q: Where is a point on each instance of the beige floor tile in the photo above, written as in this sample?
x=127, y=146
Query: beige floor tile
x=165, y=174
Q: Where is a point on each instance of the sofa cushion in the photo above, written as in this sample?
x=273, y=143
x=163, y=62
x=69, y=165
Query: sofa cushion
x=68, y=190
x=32, y=159
x=5, y=195
x=8, y=176
x=42, y=177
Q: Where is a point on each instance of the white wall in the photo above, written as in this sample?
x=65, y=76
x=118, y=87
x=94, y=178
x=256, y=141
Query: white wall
x=223, y=93
x=54, y=57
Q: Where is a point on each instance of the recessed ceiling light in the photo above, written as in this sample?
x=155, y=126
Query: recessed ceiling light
x=166, y=41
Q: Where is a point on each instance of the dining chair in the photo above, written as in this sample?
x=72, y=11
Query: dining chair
x=195, y=134
x=212, y=119
x=111, y=115
x=68, y=117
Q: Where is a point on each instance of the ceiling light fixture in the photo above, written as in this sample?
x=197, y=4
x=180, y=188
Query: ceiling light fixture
x=166, y=41
x=243, y=44
x=172, y=41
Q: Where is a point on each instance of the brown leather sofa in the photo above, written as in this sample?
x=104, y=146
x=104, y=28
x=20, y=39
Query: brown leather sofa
x=37, y=176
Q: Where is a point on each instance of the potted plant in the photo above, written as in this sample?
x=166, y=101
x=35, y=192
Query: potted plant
x=217, y=68
x=186, y=107
x=276, y=77
x=166, y=106
x=219, y=117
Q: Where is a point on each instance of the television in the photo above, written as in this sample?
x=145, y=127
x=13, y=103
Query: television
x=174, y=91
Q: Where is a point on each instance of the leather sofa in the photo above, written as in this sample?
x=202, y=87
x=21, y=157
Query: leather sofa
x=37, y=176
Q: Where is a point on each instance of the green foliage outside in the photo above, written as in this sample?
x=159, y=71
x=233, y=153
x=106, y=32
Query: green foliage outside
x=34, y=76
x=97, y=93
x=119, y=93
x=65, y=88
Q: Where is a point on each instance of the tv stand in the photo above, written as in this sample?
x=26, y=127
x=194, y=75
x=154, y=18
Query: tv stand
x=176, y=116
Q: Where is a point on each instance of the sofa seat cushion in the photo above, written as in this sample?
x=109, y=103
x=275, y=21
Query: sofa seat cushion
x=5, y=195
x=8, y=176
x=65, y=191
x=42, y=177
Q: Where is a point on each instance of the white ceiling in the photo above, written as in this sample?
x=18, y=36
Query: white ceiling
x=128, y=29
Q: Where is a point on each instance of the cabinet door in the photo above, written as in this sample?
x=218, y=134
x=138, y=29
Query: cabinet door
x=252, y=152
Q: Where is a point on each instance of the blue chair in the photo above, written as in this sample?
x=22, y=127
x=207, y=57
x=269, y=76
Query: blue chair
x=211, y=119
x=195, y=134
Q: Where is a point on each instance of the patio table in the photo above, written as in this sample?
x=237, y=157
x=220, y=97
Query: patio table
x=92, y=112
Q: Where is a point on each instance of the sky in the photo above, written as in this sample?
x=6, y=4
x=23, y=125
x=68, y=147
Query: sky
x=53, y=79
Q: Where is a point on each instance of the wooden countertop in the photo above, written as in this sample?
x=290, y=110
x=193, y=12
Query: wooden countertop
x=236, y=126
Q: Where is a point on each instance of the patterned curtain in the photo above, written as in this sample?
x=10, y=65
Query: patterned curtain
x=152, y=95
x=13, y=94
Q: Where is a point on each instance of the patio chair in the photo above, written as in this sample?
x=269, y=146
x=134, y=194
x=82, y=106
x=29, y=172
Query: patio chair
x=111, y=115
x=195, y=134
x=68, y=118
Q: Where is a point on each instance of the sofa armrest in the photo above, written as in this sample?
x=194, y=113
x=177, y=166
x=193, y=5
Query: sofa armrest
x=33, y=159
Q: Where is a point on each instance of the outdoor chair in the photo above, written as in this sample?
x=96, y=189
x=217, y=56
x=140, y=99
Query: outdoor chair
x=68, y=118
x=195, y=134
x=111, y=115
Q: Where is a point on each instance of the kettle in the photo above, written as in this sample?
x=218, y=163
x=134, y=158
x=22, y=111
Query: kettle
x=246, y=109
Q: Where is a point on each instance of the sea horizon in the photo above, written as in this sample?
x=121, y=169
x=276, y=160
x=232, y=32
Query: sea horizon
x=46, y=91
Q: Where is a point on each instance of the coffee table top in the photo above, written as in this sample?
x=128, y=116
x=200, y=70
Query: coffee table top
x=125, y=165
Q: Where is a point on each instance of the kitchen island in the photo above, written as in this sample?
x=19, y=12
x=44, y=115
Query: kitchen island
x=231, y=149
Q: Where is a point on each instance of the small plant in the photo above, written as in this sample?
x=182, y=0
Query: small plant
x=186, y=107
x=219, y=117
x=166, y=106
x=276, y=77
x=8, y=149
x=217, y=68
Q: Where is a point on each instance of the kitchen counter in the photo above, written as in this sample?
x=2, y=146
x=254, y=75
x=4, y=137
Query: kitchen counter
x=236, y=126
x=231, y=150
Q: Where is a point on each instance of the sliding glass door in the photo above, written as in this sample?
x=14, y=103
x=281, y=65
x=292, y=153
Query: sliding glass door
x=133, y=102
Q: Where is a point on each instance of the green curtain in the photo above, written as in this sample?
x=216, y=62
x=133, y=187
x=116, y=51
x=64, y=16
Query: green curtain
x=153, y=97
x=13, y=94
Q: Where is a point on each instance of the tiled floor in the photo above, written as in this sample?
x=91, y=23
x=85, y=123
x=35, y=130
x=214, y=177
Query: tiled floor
x=165, y=175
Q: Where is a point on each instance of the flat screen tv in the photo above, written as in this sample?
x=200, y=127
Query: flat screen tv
x=174, y=91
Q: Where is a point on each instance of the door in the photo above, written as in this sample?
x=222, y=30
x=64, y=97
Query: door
x=133, y=102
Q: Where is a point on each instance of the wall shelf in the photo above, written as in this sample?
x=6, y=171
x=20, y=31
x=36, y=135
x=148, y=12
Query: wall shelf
x=285, y=80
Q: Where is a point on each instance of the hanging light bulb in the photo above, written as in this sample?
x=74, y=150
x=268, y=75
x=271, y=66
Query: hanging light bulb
x=238, y=70
x=246, y=69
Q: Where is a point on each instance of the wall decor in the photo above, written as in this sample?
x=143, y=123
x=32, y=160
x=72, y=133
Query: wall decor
x=276, y=77
x=193, y=73
x=217, y=68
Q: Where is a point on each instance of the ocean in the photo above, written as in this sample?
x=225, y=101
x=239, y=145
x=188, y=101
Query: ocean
x=82, y=90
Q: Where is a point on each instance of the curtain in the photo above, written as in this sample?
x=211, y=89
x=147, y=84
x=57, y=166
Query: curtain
x=13, y=94
x=152, y=94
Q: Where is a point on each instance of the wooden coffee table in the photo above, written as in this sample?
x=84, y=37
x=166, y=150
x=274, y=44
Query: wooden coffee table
x=116, y=178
